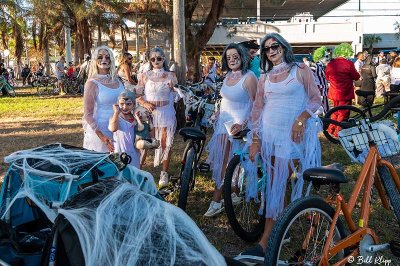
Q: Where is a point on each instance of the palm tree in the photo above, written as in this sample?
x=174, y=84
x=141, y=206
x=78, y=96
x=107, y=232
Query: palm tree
x=370, y=40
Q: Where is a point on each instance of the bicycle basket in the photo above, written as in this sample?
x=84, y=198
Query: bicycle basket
x=355, y=141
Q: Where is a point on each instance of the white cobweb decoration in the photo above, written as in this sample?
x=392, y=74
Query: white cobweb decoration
x=52, y=173
x=130, y=227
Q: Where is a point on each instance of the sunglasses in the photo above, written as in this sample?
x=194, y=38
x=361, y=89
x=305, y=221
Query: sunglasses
x=273, y=46
x=129, y=58
x=158, y=58
x=101, y=57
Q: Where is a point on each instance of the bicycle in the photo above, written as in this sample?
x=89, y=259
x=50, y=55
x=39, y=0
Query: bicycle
x=390, y=105
x=6, y=88
x=310, y=231
x=47, y=86
x=244, y=217
x=199, y=109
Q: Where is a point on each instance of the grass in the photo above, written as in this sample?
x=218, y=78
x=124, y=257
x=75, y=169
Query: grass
x=29, y=121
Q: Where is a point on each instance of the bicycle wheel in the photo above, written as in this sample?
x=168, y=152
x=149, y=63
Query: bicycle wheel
x=243, y=216
x=355, y=113
x=9, y=89
x=73, y=87
x=186, y=178
x=42, y=90
x=391, y=190
x=300, y=233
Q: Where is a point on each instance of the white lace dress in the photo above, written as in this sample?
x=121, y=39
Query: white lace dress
x=275, y=110
x=235, y=108
x=97, y=112
x=157, y=90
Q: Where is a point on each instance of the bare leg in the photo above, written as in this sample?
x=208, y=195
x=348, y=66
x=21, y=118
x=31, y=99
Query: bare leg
x=217, y=195
x=165, y=163
x=269, y=222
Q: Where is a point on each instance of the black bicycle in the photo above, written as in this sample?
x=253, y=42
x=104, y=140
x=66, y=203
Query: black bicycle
x=198, y=111
x=390, y=105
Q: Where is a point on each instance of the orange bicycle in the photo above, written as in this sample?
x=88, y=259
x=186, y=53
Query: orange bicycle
x=312, y=231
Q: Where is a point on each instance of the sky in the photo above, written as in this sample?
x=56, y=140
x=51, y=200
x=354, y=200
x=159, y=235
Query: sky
x=378, y=15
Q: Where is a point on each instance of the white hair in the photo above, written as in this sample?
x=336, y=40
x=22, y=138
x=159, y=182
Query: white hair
x=93, y=70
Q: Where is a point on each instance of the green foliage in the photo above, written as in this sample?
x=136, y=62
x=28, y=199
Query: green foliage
x=319, y=53
x=343, y=50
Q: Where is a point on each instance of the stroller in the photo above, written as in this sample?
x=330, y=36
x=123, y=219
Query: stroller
x=65, y=205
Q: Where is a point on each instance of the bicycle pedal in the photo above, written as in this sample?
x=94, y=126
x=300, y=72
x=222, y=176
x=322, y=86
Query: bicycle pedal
x=395, y=248
x=204, y=167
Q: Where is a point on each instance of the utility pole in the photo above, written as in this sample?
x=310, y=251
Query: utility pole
x=178, y=16
x=258, y=10
x=68, y=50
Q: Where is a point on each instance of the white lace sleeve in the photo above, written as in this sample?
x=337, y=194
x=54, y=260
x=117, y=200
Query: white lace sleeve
x=306, y=77
x=89, y=100
x=258, y=106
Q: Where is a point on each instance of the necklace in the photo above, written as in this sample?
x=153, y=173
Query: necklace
x=104, y=79
x=236, y=75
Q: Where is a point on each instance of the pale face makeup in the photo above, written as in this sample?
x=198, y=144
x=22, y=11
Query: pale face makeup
x=103, y=62
x=234, y=60
x=126, y=105
x=274, y=51
x=157, y=60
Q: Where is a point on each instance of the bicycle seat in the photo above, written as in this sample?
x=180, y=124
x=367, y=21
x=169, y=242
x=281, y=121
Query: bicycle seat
x=324, y=176
x=192, y=133
x=364, y=93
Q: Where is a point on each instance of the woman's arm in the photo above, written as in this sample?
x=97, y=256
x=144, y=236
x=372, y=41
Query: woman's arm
x=127, y=71
x=89, y=100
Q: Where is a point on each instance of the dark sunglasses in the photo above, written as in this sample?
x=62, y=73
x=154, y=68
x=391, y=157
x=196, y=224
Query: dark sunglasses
x=129, y=58
x=158, y=58
x=273, y=46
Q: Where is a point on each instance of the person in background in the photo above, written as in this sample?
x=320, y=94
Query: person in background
x=210, y=72
x=381, y=55
x=382, y=78
x=391, y=57
x=320, y=59
x=101, y=92
x=358, y=64
x=125, y=72
x=252, y=47
x=84, y=68
x=40, y=70
x=25, y=73
x=368, y=75
x=70, y=70
x=341, y=74
x=60, y=73
x=306, y=62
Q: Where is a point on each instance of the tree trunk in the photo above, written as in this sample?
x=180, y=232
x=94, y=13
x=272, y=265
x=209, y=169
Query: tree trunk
x=4, y=40
x=46, y=56
x=98, y=34
x=196, y=42
x=76, y=50
x=19, y=43
x=146, y=34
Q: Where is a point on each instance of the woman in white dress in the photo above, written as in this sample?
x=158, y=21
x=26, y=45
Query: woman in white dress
x=238, y=92
x=125, y=71
x=285, y=128
x=158, y=97
x=101, y=93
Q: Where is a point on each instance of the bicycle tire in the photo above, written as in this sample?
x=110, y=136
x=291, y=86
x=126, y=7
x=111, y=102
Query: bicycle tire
x=186, y=178
x=73, y=87
x=42, y=90
x=286, y=221
x=391, y=190
x=359, y=114
x=243, y=218
x=9, y=89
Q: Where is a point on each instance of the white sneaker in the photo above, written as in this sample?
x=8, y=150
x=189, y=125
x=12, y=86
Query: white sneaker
x=235, y=199
x=215, y=208
x=163, y=179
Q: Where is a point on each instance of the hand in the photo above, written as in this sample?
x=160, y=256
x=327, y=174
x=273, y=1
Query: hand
x=116, y=108
x=297, y=132
x=255, y=148
x=106, y=140
x=149, y=106
x=236, y=128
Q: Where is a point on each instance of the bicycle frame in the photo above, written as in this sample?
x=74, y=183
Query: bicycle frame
x=366, y=179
